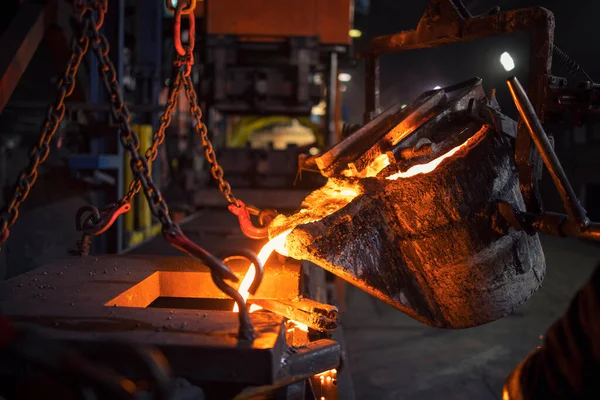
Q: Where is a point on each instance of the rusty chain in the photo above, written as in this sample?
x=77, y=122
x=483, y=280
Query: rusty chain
x=159, y=136
x=140, y=165
x=54, y=116
x=128, y=138
x=185, y=59
x=95, y=222
x=209, y=151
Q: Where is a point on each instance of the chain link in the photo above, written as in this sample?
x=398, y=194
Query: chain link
x=209, y=151
x=159, y=136
x=184, y=61
x=54, y=116
x=165, y=119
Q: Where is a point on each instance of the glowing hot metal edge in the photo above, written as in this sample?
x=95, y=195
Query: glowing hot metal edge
x=426, y=168
x=278, y=243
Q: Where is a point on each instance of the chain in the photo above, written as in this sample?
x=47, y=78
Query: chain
x=140, y=166
x=54, y=116
x=159, y=136
x=185, y=60
x=127, y=136
x=209, y=151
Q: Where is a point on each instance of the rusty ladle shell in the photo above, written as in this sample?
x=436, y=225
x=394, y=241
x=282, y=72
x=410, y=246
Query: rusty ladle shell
x=430, y=245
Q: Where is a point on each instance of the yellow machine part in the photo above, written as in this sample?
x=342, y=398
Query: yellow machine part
x=242, y=131
x=138, y=222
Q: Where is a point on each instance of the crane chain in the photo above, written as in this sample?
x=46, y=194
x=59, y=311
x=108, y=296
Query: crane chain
x=54, y=116
x=209, y=152
x=140, y=165
x=128, y=138
x=159, y=136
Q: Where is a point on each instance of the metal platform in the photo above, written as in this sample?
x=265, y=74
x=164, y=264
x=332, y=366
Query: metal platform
x=110, y=299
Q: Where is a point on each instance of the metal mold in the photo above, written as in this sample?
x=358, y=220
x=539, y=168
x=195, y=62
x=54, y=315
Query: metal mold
x=92, y=302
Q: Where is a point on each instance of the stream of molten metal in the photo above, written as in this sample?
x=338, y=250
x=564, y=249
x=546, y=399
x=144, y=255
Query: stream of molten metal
x=278, y=243
x=428, y=167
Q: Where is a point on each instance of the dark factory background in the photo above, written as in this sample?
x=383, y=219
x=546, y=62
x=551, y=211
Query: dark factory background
x=84, y=165
x=265, y=103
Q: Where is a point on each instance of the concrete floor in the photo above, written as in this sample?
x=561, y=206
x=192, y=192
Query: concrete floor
x=394, y=357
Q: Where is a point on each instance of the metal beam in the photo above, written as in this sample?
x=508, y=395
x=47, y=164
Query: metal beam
x=448, y=21
x=20, y=41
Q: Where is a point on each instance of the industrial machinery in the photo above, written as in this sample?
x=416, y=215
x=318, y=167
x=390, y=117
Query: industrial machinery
x=429, y=207
x=289, y=359
x=266, y=64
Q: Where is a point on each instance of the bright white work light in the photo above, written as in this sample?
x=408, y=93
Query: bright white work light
x=507, y=62
x=344, y=77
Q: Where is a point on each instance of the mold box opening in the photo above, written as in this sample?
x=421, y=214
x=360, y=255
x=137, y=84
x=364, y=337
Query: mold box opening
x=190, y=303
x=183, y=290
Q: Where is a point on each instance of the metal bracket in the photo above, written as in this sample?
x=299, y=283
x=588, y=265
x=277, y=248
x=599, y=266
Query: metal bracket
x=448, y=21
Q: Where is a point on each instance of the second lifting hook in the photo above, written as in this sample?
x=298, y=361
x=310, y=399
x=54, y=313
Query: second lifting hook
x=243, y=213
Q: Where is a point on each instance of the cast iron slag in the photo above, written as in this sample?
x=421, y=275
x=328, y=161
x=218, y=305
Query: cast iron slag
x=430, y=244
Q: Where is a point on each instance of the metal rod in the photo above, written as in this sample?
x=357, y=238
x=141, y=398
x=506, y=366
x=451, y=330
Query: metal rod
x=561, y=225
x=371, y=88
x=527, y=113
x=332, y=100
x=373, y=129
x=19, y=43
x=317, y=316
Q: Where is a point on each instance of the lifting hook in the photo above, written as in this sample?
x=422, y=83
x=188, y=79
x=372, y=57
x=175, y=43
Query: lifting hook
x=246, y=330
x=93, y=222
x=243, y=213
x=98, y=222
x=177, y=239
